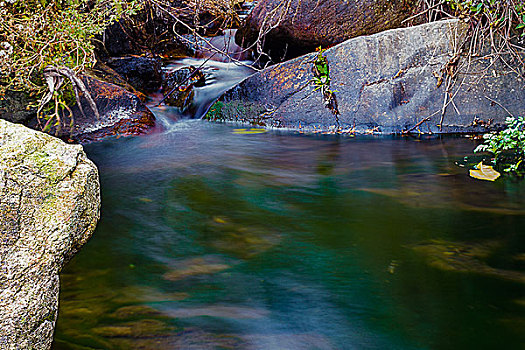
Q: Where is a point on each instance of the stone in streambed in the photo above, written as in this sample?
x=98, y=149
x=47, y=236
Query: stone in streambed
x=135, y=329
x=135, y=311
x=207, y=265
x=466, y=257
x=178, y=86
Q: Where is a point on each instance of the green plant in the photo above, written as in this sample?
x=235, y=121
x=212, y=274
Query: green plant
x=321, y=81
x=321, y=78
x=507, y=146
x=496, y=13
x=37, y=34
x=215, y=111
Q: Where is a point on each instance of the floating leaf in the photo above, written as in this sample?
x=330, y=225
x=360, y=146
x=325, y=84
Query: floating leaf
x=219, y=220
x=484, y=172
x=249, y=131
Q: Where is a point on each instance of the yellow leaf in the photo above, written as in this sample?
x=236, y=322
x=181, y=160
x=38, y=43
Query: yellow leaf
x=249, y=131
x=219, y=220
x=484, y=172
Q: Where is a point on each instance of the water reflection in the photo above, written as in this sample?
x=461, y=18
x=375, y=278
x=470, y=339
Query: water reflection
x=210, y=239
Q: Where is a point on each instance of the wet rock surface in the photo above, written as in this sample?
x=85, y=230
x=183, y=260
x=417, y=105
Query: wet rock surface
x=49, y=207
x=143, y=73
x=305, y=24
x=383, y=83
x=122, y=113
x=178, y=86
x=105, y=73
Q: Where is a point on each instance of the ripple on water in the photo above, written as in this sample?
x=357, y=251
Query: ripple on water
x=273, y=241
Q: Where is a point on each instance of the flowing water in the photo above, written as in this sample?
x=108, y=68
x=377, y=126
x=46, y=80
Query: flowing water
x=214, y=239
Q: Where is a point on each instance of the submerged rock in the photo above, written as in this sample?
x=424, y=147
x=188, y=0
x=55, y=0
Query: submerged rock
x=299, y=26
x=465, y=257
x=135, y=311
x=240, y=239
x=199, y=266
x=135, y=329
x=189, y=338
x=49, y=207
x=389, y=82
x=219, y=311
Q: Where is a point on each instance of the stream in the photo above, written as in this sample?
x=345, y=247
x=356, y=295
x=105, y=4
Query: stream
x=213, y=238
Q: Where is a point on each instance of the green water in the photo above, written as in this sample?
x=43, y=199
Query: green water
x=213, y=240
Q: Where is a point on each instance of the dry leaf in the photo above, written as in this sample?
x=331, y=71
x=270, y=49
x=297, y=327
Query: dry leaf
x=249, y=131
x=484, y=172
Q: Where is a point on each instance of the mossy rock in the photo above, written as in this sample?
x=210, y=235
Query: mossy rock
x=49, y=207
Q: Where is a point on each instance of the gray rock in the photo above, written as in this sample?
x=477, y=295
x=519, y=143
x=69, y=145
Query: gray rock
x=384, y=83
x=143, y=73
x=49, y=207
x=14, y=107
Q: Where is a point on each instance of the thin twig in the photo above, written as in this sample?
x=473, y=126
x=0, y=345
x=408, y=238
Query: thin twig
x=499, y=104
x=185, y=80
x=422, y=12
x=417, y=125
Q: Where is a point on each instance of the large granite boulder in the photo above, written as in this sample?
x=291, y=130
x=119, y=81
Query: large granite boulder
x=390, y=82
x=49, y=206
x=296, y=27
